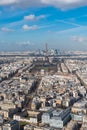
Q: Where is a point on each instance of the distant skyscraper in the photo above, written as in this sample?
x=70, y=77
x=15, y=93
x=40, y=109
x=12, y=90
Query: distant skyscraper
x=46, y=57
x=56, y=52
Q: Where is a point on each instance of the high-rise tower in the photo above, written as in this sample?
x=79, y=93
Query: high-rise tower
x=46, y=57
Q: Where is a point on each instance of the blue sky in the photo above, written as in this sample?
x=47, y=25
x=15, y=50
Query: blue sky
x=29, y=24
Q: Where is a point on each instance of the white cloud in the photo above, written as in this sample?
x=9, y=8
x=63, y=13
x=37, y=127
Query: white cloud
x=25, y=43
x=32, y=17
x=4, y=29
x=69, y=23
x=26, y=27
x=63, y=4
x=80, y=39
x=7, y=2
x=29, y=17
x=40, y=17
x=73, y=31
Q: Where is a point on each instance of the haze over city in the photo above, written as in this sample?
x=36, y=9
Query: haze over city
x=43, y=64
x=29, y=24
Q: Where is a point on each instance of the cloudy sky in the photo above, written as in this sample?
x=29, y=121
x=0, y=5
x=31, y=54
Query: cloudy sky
x=29, y=24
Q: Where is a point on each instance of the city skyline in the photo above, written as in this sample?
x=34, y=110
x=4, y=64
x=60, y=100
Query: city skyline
x=27, y=25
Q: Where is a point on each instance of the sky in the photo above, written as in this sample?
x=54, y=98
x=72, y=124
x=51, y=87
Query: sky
x=30, y=24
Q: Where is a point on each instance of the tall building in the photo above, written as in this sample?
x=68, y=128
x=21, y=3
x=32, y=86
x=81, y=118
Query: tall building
x=56, y=118
x=46, y=57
